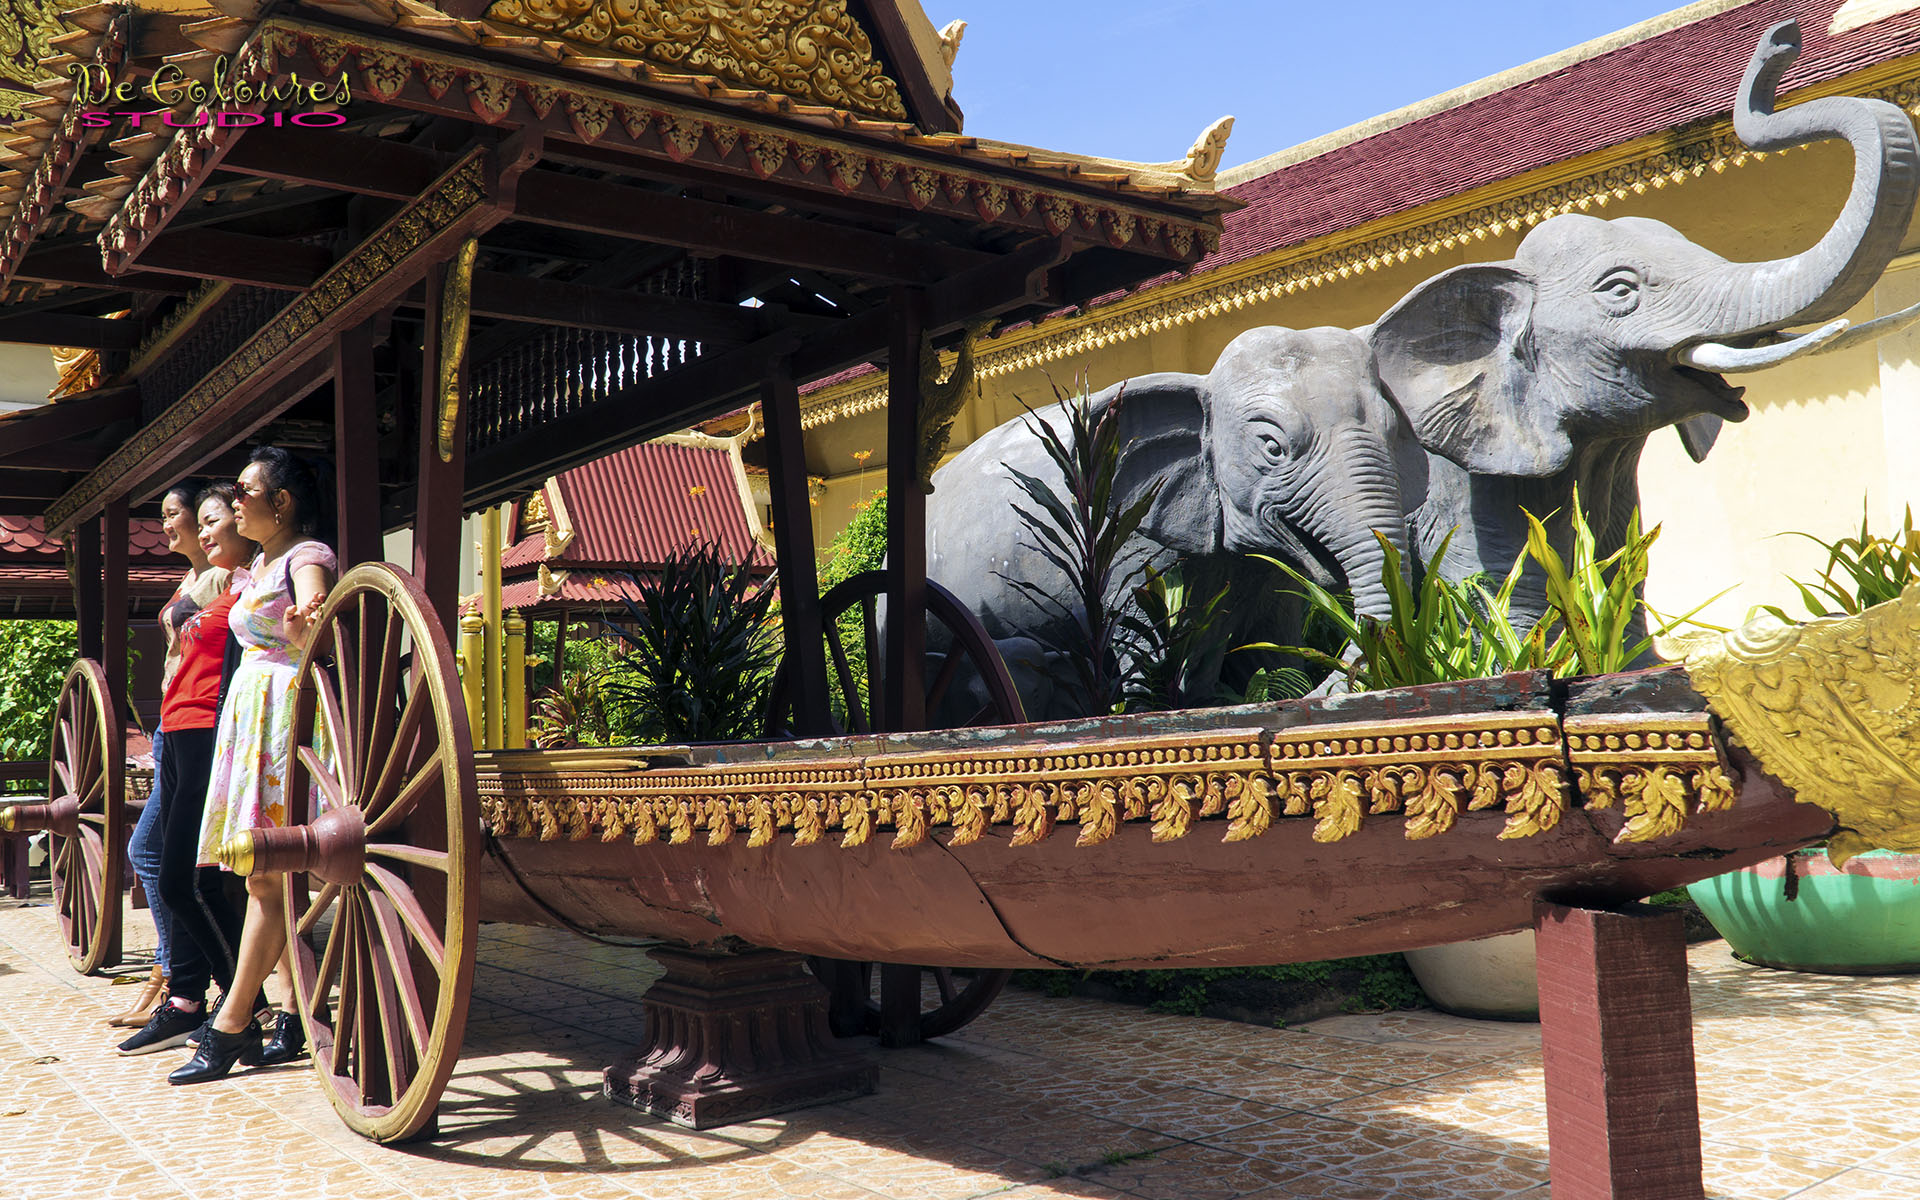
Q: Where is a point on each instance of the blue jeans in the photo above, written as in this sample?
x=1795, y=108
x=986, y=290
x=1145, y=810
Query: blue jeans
x=143, y=850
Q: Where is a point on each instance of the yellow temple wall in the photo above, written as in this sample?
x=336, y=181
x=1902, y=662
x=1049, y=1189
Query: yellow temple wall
x=1826, y=435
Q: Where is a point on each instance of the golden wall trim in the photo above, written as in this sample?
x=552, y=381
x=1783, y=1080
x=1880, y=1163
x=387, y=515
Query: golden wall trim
x=1509, y=206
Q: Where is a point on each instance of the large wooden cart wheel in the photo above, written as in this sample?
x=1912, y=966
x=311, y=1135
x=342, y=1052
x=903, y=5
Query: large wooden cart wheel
x=85, y=817
x=383, y=950
x=869, y=998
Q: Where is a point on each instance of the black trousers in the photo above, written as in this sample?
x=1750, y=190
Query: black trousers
x=207, y=904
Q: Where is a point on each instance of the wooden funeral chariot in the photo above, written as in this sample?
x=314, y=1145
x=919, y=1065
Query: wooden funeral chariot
x=529, y=241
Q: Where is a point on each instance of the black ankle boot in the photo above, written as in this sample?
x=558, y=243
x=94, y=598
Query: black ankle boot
x=218, y=1052
x=289, y=1041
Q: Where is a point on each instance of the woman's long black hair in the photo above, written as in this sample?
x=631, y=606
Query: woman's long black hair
x=308, y=481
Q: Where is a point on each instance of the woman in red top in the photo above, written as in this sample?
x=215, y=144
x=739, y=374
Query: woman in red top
x=205, y=904
x=200, y=584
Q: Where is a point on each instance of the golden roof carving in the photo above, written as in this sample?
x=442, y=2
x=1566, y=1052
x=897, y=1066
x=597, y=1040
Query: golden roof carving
x=808, y=49
x=27, y=27
x=1509, y=207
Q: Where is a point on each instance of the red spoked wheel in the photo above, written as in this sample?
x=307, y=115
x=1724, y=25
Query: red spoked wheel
x=383, y=951
x=862, y=991
x=85, y=817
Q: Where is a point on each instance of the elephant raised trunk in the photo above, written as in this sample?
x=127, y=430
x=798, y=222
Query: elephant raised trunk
x=1833, y=275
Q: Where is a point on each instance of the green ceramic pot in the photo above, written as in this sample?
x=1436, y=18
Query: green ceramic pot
x=1860, y=920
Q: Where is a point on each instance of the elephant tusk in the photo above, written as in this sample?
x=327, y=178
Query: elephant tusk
x=1868, y=331
x=1721, y=359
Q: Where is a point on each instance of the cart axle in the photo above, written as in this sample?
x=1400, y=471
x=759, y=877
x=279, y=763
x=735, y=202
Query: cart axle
x=332, y=848
x=60, y=816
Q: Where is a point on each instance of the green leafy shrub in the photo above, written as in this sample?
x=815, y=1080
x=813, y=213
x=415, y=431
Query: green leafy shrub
x=699, y=655
x=569, y=708
x=34, y=657
x=860, y=547
x=1436, y=632
x=1442, y=630
x=1861, y=571
x=1374, y=983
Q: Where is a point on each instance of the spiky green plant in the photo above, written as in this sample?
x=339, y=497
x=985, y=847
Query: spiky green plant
x=1861, y=571
x=1169, y=625
x=700, y=655
x=1082, y=528
x=1593, y=601
x=1444, y=630
x=1439, y=631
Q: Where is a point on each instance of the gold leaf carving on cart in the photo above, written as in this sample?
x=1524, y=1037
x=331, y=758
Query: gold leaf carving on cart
x=1832, y=709
x=811, y=50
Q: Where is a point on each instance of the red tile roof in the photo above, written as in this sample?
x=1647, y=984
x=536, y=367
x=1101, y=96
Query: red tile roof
x=631, y=509
x=580, y=589
x=1672, y=79
x=26, y=537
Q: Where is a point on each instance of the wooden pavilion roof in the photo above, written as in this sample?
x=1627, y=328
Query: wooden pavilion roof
x=661, y=209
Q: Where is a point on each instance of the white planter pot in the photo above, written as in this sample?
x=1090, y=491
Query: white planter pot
x=1491, y=978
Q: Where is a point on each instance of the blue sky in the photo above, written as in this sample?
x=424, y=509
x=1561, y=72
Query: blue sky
x=1137, y=80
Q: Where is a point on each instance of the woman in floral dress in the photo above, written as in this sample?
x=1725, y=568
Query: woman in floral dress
x=280, y=505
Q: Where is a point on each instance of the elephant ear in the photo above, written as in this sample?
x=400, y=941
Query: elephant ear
x=1457, y=356
x=1163, y=420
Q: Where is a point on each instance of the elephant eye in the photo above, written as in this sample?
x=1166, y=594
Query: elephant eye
x=1619, y=291
x=1272, y=447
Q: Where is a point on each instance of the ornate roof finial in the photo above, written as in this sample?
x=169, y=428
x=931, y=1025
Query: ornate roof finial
x=950, y=37
x=1203, y=158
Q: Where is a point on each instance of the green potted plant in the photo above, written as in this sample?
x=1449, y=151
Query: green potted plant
x=1803, y=911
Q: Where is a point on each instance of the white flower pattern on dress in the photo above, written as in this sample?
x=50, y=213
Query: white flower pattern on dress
x=253, y=742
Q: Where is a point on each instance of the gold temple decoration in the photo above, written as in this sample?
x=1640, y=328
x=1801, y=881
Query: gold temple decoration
x=811, y=50
x=1831, y=708
x=941, y=401
x=1426, y=774
x=1658, y=768
x=27, y=28
x=456, y=315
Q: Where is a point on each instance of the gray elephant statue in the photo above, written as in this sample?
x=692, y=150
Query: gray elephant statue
x=1284, y=448
x=1490, y=388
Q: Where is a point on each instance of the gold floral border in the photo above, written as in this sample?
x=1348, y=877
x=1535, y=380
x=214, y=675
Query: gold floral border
x=1425, y=773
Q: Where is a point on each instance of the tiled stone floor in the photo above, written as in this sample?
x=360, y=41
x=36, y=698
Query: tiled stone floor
x=1807, y=1086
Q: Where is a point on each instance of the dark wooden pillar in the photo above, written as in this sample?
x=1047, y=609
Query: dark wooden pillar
x=356, y=447
x=1616, y=1026
x=113, y=603
x=559, y=649
x=905, y=686
x=86, y=586
x=440, y=486
x=905, y=706
x=800, y=619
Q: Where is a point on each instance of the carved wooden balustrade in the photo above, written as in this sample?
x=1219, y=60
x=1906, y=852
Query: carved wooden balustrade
x=562, y=370
x=229, y=322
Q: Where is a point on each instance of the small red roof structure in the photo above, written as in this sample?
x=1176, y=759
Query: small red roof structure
x=33, y=571
x=585, y=530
